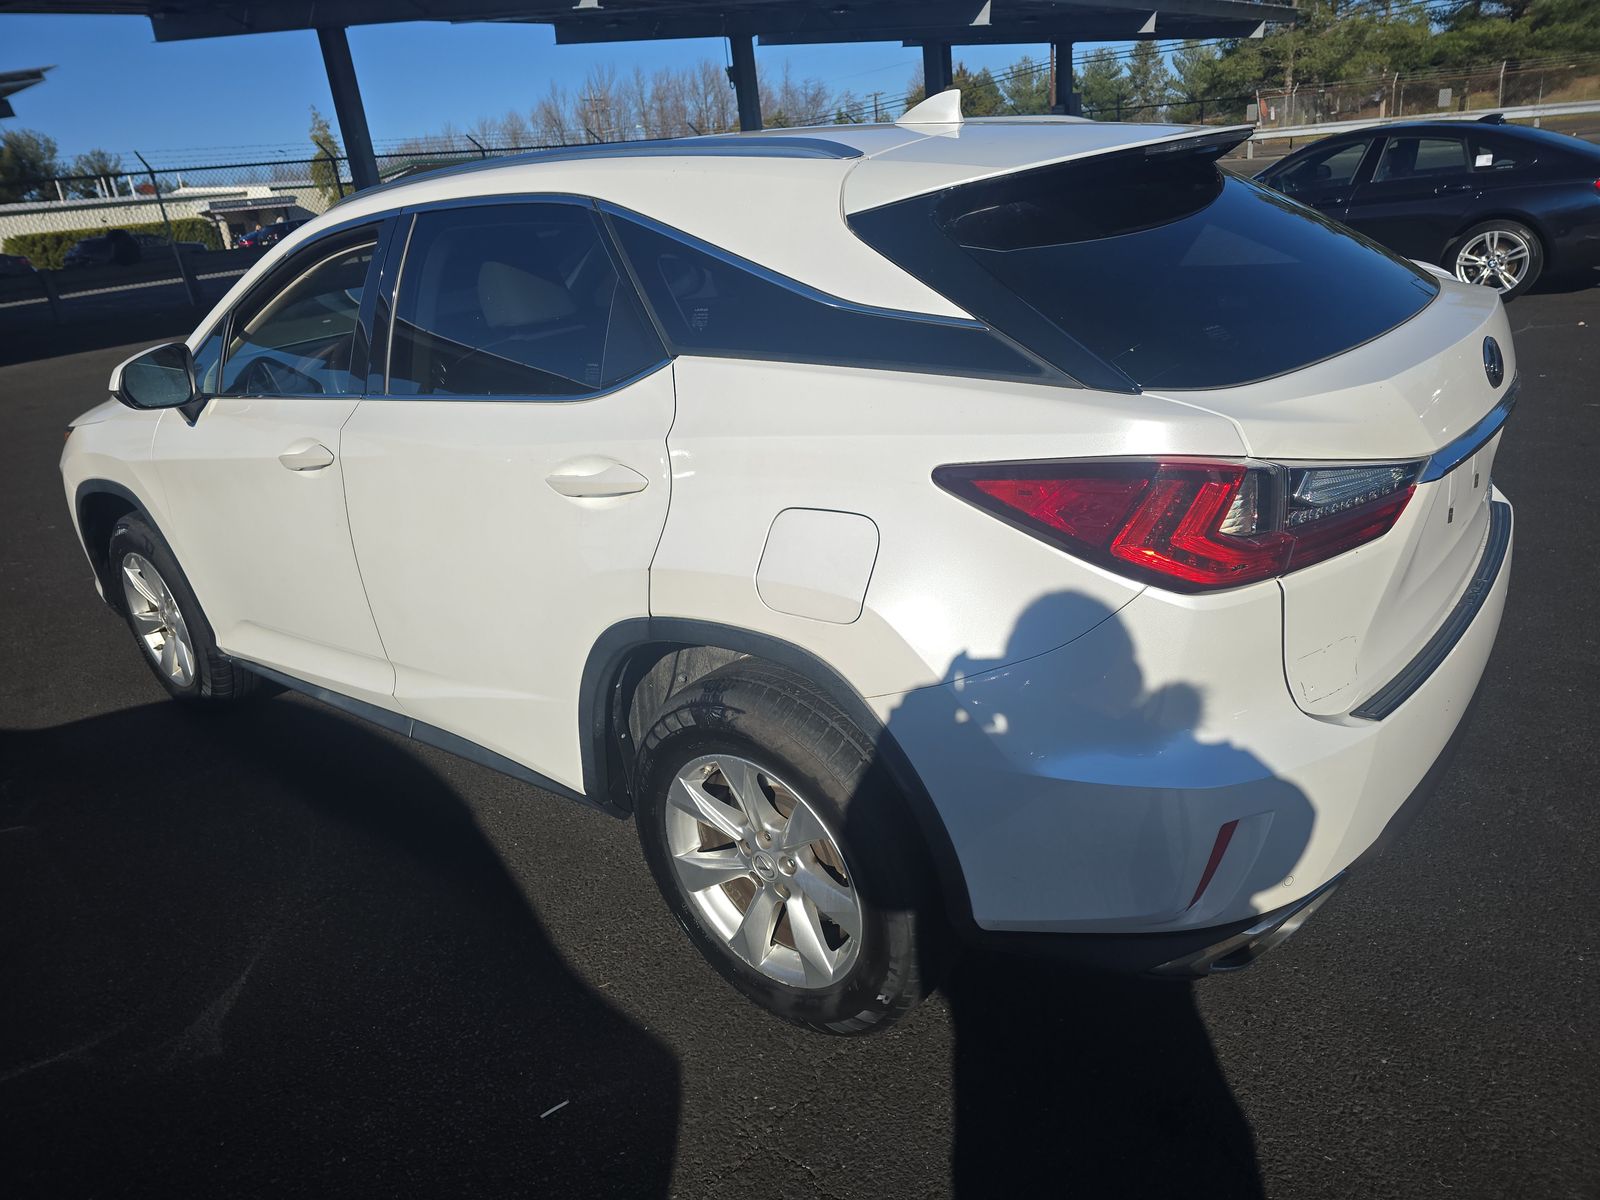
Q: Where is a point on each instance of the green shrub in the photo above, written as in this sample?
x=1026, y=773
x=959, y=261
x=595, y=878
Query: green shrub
x=47, y=251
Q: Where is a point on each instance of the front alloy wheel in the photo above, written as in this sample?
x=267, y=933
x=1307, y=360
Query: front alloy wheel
x=157, y=620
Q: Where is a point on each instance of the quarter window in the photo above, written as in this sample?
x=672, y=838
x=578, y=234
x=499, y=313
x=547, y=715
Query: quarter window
x=1496, y=154
x=301, y=339
x=514, y=300
x=711, y=303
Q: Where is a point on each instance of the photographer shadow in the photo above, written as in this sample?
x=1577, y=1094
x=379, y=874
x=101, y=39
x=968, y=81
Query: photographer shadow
x=1069, y=1081
x=272, y=951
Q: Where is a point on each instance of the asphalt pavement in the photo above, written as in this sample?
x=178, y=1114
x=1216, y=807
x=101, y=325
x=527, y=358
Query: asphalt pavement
x=276, y=952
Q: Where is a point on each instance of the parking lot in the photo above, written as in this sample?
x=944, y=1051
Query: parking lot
x=278, y=952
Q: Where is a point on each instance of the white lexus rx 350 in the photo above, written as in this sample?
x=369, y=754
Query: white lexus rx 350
x=1019, y=531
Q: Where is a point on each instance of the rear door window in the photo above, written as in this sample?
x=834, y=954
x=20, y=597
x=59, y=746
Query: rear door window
x=1420, y=157
x=519, y=299
x=1161, y=268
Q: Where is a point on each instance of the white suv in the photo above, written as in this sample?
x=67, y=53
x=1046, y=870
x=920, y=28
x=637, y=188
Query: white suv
x=1016, y=530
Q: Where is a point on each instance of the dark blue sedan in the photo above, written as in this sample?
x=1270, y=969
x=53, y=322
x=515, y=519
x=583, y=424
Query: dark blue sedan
x=1495, y=204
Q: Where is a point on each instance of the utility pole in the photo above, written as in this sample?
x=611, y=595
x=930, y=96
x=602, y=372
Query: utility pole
x=877, y=111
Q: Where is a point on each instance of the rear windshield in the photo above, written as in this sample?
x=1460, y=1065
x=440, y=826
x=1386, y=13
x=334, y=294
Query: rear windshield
x=1165, y=269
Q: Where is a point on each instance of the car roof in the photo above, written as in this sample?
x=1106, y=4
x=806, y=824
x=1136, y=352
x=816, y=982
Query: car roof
x=751, y=193
x=884, y=162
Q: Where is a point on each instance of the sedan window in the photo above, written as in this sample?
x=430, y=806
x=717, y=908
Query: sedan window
x=299, y=341
x=514, y=300
x=1330, y=167
x=1410, y=157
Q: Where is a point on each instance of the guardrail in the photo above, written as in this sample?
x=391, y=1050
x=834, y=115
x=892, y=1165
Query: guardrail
x=1511, y=112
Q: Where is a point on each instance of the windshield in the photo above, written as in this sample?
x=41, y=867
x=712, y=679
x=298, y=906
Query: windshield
x=1164, y=268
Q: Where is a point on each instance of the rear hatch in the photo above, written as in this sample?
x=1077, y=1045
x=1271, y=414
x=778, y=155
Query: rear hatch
x=1353, y=622
x=1149, y=269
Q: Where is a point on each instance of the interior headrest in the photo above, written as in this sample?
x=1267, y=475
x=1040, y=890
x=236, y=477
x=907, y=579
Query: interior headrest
x=510, y=296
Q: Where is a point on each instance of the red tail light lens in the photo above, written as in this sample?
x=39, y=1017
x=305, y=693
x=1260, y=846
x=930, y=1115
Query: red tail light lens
x=1189, y=525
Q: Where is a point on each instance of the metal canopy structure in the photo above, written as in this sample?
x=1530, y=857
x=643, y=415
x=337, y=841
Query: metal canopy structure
x=935, y=25
x=12, y=82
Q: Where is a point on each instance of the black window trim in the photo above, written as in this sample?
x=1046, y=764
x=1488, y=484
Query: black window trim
x=391, y=280
x=1050, y=375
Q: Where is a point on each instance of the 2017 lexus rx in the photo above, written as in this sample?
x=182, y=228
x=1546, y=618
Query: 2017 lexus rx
x=1010, y=530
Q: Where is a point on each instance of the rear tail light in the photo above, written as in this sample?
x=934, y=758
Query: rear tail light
x=1191, y=525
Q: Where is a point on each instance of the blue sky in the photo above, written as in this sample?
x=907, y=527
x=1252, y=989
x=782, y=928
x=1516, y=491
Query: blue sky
x=115, y=88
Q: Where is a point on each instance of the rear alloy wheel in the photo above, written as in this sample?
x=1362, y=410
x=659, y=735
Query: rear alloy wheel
x=762, y=871
x=785, y=852
x=1502, y=255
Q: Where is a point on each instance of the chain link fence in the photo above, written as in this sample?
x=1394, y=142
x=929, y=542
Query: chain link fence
x=1425, y=94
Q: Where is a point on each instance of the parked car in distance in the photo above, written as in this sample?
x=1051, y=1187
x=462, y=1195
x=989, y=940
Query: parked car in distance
x=14, y=265
x=119, y=247
x=268, y=235
x=1495, y=204
x=928, y=534
x=115, y=247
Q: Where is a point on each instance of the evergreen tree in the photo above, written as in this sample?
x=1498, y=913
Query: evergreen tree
x=1149, y=82
x=325, y=163
x=27, y=164
x=1026, y=88
x=1103, y=86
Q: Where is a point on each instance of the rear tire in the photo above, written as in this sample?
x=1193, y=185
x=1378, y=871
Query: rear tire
x=1501, y=254
x=824, y=907
x=171, y=631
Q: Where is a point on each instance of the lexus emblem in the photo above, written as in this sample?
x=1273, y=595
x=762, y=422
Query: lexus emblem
x=1494, y=365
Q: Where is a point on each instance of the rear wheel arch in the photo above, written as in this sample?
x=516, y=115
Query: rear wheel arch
x=617, y=676
x=1501, y=214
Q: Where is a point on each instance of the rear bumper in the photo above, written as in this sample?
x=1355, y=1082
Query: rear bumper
x=1086, y=790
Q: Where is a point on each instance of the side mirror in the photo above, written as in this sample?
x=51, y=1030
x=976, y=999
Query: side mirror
x=161, y=377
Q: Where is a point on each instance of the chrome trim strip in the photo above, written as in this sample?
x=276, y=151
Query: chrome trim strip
x=1451, y=456
x=1416, y=672
x=770, y=276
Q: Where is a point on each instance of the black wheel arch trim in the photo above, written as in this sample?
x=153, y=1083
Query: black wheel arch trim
x=603, y=728
x=101, y=562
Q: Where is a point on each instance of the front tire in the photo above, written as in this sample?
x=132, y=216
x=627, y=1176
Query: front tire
x=784, y=853
x=171, y=631
x=1501, y=254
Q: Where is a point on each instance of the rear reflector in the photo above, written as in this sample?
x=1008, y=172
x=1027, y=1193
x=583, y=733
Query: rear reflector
x=1191, y=525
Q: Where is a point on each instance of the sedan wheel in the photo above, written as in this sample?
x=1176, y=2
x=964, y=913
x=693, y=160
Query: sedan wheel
x=157, y=620
x=1504, y=256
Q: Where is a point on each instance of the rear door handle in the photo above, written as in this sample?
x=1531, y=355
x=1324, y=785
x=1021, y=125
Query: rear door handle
x=593, y=477
x=1446, y=188
x=307, y=454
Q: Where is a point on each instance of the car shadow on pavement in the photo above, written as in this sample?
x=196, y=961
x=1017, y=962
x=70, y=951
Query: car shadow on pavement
x=277, y=955
x=1067, y=1081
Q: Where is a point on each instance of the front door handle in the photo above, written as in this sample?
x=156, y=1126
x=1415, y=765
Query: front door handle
x=593, y=478
x=307, y=455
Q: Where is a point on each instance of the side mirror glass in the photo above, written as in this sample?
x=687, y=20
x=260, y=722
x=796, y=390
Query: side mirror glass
x=162, y=377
